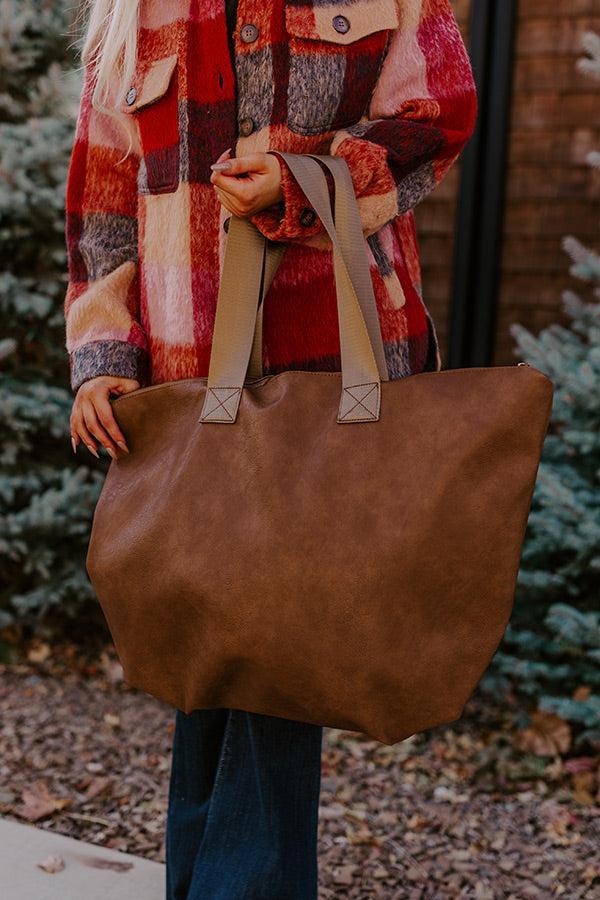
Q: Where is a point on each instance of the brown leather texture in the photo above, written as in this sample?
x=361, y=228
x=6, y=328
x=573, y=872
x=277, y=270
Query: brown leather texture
x=358, y=575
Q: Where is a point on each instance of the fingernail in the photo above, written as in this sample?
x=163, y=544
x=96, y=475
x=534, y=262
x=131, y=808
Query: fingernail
x=74, y=444
x=123, y=446
x=93, y=450
x=221, y=167
x=111, y=452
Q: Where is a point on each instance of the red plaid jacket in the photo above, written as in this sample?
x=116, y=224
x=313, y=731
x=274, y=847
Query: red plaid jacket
x=384, y=83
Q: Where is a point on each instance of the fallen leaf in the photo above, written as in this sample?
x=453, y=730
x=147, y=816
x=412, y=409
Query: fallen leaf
x=344, y=875
x=417, y=822
x=582, y=693
x=363, y=836
x=38, y=803
x=547, y=735
x=52, y=864
x=580, y=764
x=112, y=720
x=98, y=786
x=332, y=812
x=117, y=843
x=112, y=668
x=583, y=797
x=38, y=652
x=97, y=862
x=583, y=781
x=441, y=792
x=590, y=873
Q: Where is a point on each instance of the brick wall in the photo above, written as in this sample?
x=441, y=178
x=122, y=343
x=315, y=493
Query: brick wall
x=555, y=122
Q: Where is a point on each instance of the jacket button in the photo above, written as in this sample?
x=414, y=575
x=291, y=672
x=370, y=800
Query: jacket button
x=130, y=97
x=249, y=33
x=246, y=126
x=341, y=24
x=307, y=217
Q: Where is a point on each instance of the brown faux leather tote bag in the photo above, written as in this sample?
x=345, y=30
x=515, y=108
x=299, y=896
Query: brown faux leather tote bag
x=330, y=547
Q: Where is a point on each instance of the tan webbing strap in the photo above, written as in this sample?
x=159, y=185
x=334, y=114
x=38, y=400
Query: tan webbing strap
x=360, y=398
x=273, y=256
x=237, y=311
x=235, y=320
x=354, y=250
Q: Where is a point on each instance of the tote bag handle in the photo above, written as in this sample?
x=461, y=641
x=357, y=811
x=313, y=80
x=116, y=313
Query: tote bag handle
x=349, y=230
x=244, y=266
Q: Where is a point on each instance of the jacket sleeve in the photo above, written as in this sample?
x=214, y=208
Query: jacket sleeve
x=421, y=114
x=101, y=307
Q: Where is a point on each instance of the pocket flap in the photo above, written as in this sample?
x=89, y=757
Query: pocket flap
x=150, y=84
x=342, y=23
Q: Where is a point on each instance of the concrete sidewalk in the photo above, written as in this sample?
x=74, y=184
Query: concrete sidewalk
x=90, y=872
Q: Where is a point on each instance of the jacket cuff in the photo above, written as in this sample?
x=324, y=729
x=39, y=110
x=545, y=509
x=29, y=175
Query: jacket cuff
x=291, y=219
x=118, y=358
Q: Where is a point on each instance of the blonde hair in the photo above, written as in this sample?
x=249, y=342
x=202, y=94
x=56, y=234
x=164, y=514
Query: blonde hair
x=110, y=46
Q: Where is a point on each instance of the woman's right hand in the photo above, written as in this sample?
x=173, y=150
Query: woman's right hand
x=92, y=418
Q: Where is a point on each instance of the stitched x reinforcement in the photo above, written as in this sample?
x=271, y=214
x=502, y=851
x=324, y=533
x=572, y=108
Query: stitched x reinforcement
x=222, y=403
x=361, y=402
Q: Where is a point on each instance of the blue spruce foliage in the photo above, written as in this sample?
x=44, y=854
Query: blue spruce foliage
x=551, y=650
x=46, y=495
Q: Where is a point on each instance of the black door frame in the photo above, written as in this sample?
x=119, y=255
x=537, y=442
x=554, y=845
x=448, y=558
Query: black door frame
x=479, y=226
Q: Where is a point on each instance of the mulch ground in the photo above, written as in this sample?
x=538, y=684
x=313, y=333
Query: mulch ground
x=468, y=810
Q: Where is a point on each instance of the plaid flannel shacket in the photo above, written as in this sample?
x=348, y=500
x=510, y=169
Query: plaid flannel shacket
x=386, y=84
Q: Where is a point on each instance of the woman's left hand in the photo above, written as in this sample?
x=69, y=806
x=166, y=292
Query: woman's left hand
x=247, y=184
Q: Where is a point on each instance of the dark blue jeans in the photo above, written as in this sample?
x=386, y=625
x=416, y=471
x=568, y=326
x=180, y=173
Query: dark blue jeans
x=243, y=807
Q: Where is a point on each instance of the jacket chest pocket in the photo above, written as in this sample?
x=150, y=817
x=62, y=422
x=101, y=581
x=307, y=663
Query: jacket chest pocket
x=152, y=101
x=336, y=53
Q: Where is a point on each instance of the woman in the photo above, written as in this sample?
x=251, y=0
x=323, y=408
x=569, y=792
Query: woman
x=181, y=104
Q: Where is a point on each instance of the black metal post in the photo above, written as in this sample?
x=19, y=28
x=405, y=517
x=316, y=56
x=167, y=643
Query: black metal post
x=481, y=197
